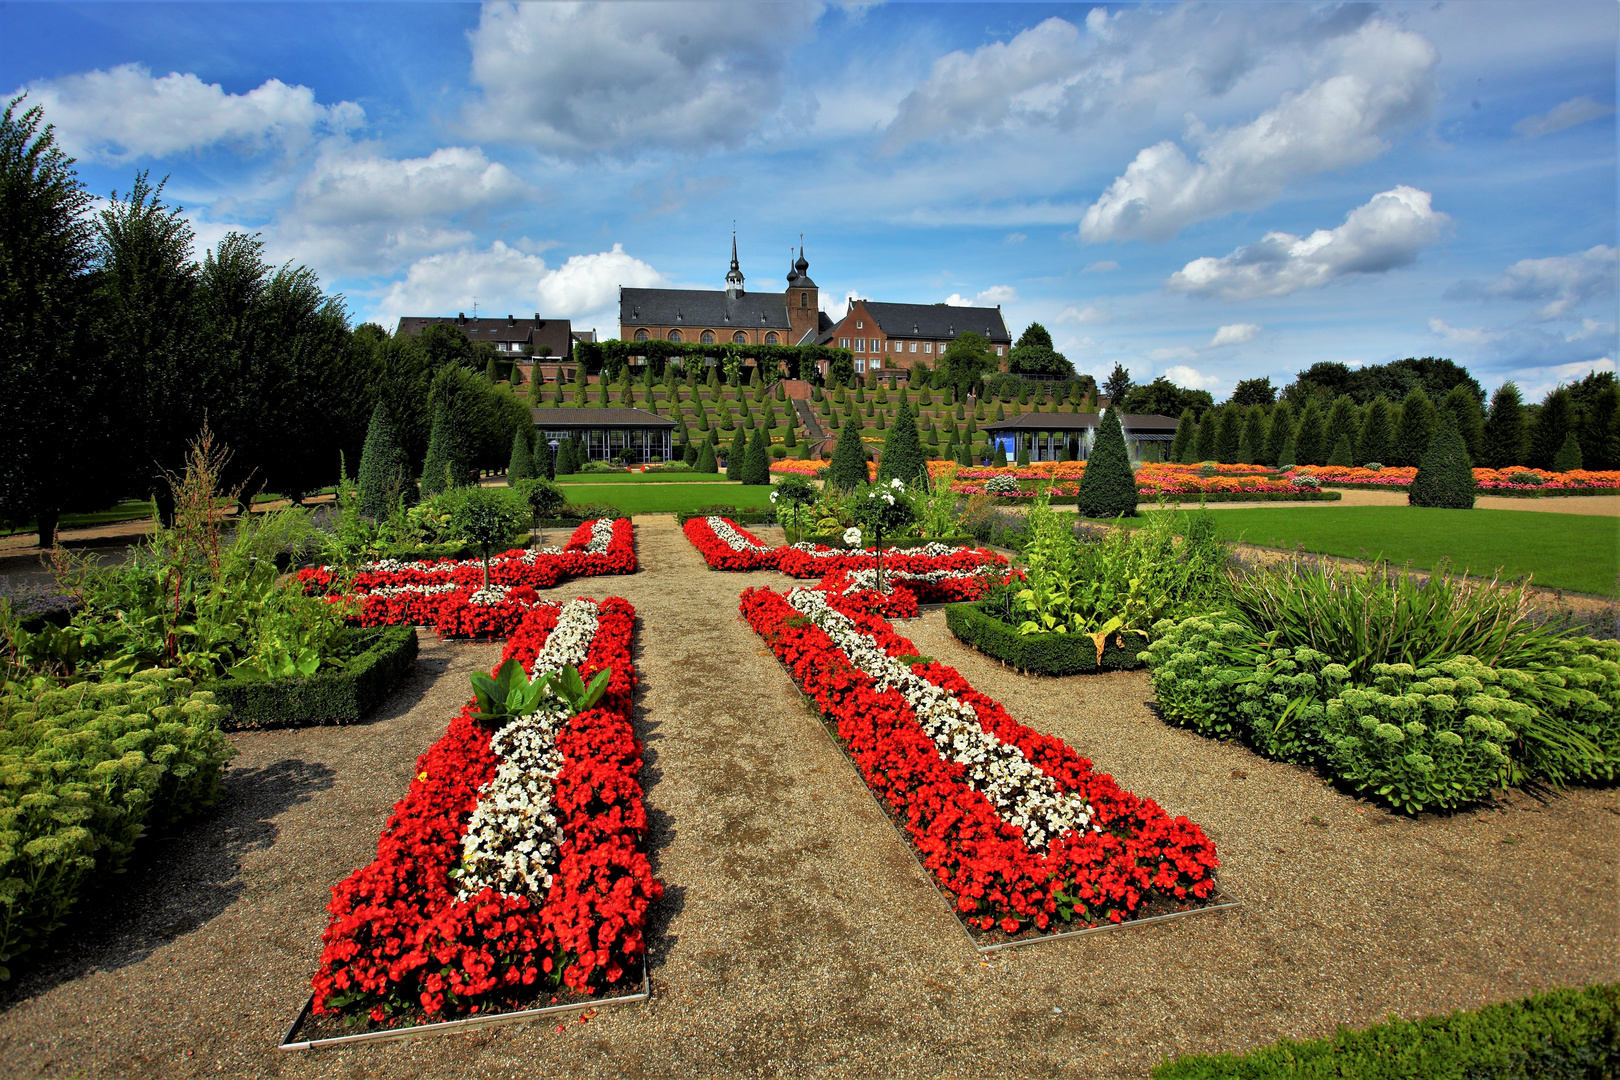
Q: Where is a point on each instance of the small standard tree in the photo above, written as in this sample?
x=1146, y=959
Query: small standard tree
x=1445, y=477
x=796, y=493
x=385, y=474
x=486, y=518
x=887, y=508
x=1108, y=486
x=520, y=466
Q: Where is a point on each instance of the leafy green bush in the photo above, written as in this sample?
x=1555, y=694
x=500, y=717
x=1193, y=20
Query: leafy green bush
x=89, y=768
x=379, y=659
x=544, y=498
x=1573, y=1033
x=1042, y=654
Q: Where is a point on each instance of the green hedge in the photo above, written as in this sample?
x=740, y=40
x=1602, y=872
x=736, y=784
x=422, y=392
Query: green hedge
x=837, y=540
x=757, y=516
x=1041, y=654
x=88, y=769
x=1245, y=496
x=1571, y=1033
x=343, y=695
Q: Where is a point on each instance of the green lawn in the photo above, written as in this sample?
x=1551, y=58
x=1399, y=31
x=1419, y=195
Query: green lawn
x=1564, y=551
x=643, y=478
x=668, y=499
x=124, y=511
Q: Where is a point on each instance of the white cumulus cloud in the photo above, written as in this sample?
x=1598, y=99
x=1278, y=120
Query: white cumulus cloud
x=991, y=297
x=1382, y=80
x=126, y=113
x=1564, y=281
x=1234, y=334
x=1564, y=115
x=1192, y=378
x=358, y=210
x=1386, y=232
x=1086, y=316
x=583, y=79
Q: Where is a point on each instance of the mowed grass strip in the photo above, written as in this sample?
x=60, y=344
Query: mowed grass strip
x=643, y=478
x=1578, y=552
x=635, y=499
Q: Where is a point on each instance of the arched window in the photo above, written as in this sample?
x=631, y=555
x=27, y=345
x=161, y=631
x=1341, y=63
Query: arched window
x=740, y=338
x=804, y=299
x=641, y=335
x=675, y=335
x=708, y=337
x=770, y=338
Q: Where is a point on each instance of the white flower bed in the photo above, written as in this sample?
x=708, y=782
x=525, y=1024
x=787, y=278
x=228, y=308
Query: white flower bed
x=733, y=539
x=513, y=837
x=401, y=590
x=494, y=594
x=866, y=580
x=1021, y=793
x=601, y=537
x=933, y=551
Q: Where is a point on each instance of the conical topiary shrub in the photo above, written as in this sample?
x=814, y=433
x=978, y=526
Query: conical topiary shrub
x=1568, y=458
x=848, y=468
x=446, y=464
x=757, y=459
x=705, y=460
x=520, y=466
x=385, y=473
x=1108, y=486
x=903, y=456
x=1446, y=476
x=1341, y=452
x=735, y=455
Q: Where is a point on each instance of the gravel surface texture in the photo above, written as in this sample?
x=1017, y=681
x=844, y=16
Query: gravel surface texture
x=798, y=937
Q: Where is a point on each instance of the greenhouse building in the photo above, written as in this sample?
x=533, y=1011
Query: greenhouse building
x=633, y=436
x=1045, y=434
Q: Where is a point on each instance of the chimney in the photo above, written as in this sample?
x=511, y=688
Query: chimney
x=537, y=318
x=509, y=320
x=461, y=317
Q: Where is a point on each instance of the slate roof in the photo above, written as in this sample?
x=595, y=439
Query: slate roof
x=1135, y=423
x=936, y=321
x=701, y=309
x=594, y=418
x=536, y=331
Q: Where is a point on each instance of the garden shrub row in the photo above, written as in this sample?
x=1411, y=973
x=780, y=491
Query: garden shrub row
x=88, y=769
x=1566, y=1033
x=343, y=695
x=1042, y=654
x=752, y=516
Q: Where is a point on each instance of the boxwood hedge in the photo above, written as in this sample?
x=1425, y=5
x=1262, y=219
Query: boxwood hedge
x=343, y=695
x=1042, y=654
x=1565, y=1033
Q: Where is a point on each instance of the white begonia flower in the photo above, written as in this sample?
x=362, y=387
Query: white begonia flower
x=852, y=535
x=774, y=494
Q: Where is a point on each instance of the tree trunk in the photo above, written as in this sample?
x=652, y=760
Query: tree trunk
x=164, y=498
x=47, y=528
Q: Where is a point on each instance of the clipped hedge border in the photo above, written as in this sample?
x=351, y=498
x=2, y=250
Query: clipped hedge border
x=1562, y=1033
x=1041, y=654
x=342, y=696
x=1242, y=496
x=562, y=523
x=762, y=516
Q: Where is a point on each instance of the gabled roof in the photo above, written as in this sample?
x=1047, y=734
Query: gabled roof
x=937, y=321
x=702, y=309
x=1145, y=423
x=564, y=417
x=536, y=331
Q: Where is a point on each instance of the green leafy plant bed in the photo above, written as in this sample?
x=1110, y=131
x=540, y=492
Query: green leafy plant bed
x=1043, y=654
x=1562, y=1033
x=380, y=658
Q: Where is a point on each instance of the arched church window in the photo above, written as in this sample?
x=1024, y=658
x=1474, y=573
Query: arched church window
x=770, y=338
x=675, y=335
x=708, y=337
x=641, y=335
x=740, y=338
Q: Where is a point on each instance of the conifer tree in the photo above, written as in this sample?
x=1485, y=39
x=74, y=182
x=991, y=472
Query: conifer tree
x=1252, y=447
x=1341, y=419
x=1189, y=449
x=1415, y=431
x=1504, y=429
x=903, y=455
x=705, y=459
x=446, y=463
x=1207, y=426
x=1278, y=431
x=544, y=461
x=1108, y=486
x=1470, y=421
x=736, y=454
x=1023, y=451
x=690, y=453
x=1228, y=435
x=1308, y=448
x=1568, y=458
x=1372, y=443
x=1554, y=423
x=385, y=473
x=1000, y=456
x=1445, y=476
x=757, y=459
x=520, y=466
x=847, y=471
x=1342, y=453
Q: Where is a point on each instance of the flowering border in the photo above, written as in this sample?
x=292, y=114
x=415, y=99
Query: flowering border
x=401, y=945
x=977, y=856
x=742, y=550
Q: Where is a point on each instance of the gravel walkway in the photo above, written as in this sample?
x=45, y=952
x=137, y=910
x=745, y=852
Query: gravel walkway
x=798, y=937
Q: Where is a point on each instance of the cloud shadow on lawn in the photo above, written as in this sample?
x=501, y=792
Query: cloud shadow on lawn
x=178, y=881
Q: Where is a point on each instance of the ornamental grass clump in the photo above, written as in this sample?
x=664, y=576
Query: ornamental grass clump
x=1425, y=693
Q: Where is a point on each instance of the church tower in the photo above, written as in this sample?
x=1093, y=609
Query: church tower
x=803, y=300
x=734, y=276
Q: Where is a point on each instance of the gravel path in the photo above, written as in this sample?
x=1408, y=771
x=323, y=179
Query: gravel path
x=798, y=937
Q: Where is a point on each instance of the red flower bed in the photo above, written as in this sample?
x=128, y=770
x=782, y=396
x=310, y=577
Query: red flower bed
x=931, y=588
x=800, y=563
x=721, y=555
x=960, y=836
x=400, y=943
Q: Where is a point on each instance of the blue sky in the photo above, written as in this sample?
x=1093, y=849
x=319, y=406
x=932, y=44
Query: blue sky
x=1211, y=192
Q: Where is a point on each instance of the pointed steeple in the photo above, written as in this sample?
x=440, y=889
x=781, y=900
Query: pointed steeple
x=793, y=271
x=734, y=276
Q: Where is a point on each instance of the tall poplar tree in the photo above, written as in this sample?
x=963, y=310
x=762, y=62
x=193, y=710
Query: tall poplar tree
x=1462, y=402
x=1415, y=430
